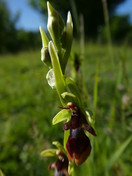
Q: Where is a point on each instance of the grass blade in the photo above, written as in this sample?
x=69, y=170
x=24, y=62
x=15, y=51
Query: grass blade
x=117, y=154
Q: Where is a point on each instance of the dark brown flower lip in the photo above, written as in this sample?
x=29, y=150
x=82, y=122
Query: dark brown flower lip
x=78, y=146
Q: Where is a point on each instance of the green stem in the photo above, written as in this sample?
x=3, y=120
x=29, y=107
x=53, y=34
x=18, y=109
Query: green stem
x=107, y=26
x=95, y=95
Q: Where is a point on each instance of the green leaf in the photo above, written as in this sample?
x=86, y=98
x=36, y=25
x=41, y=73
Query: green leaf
x=117, y=154
x=44, y=37
x=64, y=114
x=59, y=146
x=59, y=79
x=49, y=152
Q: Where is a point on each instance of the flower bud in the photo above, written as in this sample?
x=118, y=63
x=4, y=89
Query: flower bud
x=45, y=57
x=55, y=25
x=67, y=38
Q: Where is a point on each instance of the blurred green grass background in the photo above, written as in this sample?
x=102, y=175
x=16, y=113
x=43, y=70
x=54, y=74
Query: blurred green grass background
x=27, y=106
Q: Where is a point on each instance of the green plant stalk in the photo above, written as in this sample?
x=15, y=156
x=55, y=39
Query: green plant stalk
x=113, y=113
x=107, y=26
x=75, y=15
x=124, y=72
x=95, y=94
x=114, y=102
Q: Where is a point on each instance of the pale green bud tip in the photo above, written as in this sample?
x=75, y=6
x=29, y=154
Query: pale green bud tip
x=51, y=10
x=69, y=19
x=44, y=37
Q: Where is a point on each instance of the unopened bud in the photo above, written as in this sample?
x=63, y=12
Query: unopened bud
x=45, y=57
x=69, y=31
x=67, y=38
x=55, y=25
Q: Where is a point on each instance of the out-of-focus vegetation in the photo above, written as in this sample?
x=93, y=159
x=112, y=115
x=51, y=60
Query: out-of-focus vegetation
x=27, y=104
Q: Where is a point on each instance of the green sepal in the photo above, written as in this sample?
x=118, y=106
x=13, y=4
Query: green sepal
x=63, y=115
x=59, y=79
x=59, y=146
x=49, y=152
x=44, y=37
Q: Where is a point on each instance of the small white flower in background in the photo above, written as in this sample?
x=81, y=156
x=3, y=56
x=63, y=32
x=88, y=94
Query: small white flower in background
x=125, y=100
x=51, y=78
